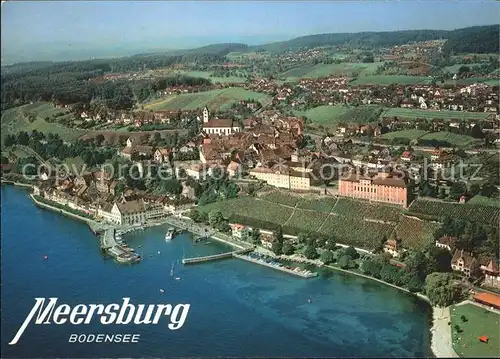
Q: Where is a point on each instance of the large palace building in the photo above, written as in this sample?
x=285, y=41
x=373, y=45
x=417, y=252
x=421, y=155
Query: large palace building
x=381, y=187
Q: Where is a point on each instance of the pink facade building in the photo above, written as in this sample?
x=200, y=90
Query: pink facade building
x=381, y=187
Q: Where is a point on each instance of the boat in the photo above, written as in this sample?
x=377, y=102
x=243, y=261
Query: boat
x=162, y=291
x=177, y=278
x=170, y=234
x=172, y=270
x=207, y=243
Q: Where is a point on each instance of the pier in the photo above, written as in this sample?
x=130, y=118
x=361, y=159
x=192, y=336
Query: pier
x=120, y=253
x=281, y=268
x=215, y=257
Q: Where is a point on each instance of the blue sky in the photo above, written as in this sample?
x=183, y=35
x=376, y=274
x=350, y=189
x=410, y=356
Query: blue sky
x=172, y=24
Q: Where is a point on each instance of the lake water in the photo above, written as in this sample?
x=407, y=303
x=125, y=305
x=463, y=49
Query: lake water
x=237, y=308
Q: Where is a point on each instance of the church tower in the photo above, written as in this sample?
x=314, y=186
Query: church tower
x=205, y=115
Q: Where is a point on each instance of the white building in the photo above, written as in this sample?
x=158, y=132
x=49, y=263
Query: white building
x=218, y=126
x=131, y=212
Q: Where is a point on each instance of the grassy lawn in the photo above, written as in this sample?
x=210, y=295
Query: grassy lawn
x=324, y=70
x=409, y=134
x=217, y=100
x=479, y=322
x=333, y=115
x=453, y=138
x=429, y=114
x=323, y=114
x=390, y=79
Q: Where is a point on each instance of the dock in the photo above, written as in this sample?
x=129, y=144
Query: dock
x=281, y=268
x=215, y=257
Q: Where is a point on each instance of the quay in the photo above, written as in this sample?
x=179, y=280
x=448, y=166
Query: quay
x=281, y=268
x=215, y=257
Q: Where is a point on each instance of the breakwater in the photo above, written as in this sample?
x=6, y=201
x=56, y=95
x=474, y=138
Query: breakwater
x=215, y=257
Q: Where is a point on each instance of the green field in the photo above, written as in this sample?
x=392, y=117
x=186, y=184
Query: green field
x=333, y=115
x=390, y=79
x=325, y=70
x=453, y=138
x=454, y=68
x=429, y=114
x=206, y=75
x=409, y=134
x=478, y=322
x=473, y=80
x=215, y=100
x=323, y=114
x=17, y=119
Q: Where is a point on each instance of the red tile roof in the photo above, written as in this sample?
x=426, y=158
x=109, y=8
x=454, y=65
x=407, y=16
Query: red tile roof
x=488, y=298
x=218, y=123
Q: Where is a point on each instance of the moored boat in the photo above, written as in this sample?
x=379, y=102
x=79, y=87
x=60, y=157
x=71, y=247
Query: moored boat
x=170, y=234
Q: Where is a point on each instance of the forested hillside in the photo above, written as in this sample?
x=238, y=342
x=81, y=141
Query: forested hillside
x=477, y=39
x=357, y=39
x=480, y=39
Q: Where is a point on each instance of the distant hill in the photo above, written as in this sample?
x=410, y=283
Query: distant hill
x=362, y=38
x=476, y=39
x=214, y=49
x=485, y=39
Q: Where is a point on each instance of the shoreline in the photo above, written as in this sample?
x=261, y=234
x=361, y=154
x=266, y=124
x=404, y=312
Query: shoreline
x=440, y=331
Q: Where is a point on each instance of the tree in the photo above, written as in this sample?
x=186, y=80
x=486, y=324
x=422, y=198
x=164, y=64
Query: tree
x=277, y=247
x=288, y=248
x=345, y=261
x=441, y=290
x=351, y=252
x=99, y=139
x=463, y=70
x=215, y=218
x=302, y=238
x=371, y=267
x=327, y=257
x=330, y=245
x=439, y=259
x=414, y=283
x=194, y=214
x=311, y=253
x=391, y=274
x=119, y=188
x=255, y=236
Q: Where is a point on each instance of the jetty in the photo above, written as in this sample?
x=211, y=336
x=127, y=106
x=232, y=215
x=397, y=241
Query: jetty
x=215, y=257
x=296, y=271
